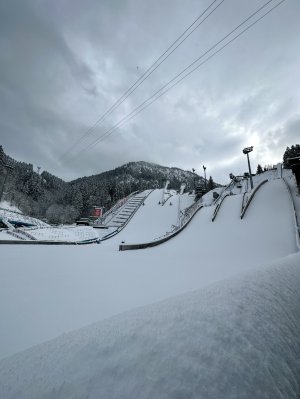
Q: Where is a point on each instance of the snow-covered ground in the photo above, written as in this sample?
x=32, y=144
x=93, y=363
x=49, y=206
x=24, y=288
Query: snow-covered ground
x=9, y=206
x=9, y=214
x=47, y=291
x=64, y=233
x=40, y=230
x=234, y=337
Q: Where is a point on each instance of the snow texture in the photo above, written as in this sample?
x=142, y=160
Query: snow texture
x=236, y=339
x=18, y=217
x=46, y=291
x=236, y=336
x=65, y=233
x=7, y=206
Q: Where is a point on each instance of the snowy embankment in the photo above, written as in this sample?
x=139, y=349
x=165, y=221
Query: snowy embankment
x=48, y=291
x=239, y=338
x=4, y=205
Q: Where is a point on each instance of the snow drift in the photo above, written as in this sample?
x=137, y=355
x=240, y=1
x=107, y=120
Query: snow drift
x=239, y=338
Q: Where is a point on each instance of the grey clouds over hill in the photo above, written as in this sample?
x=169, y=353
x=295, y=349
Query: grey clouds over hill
x=63, y=64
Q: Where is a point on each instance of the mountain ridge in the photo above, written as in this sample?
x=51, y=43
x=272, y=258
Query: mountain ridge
x=48, y=196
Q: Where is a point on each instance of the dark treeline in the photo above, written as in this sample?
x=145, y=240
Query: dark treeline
x=47, y=196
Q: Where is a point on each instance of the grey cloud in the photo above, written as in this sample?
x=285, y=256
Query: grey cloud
x=292, y=129
x=63, y=64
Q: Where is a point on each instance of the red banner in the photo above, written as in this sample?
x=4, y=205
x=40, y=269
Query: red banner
x=97, y=212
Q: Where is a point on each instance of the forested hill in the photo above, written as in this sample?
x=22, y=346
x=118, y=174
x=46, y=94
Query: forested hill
x=47, y=196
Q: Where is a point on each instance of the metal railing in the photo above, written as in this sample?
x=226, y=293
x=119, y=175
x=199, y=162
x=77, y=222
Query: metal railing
x=187, y=216
x=218, y=206
x=118, y=229
x=297, y=231
x=112, y=211
x=249, y=200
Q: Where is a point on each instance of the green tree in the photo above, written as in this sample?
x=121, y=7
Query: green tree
x=292, y=152
x=259, y=169
x=210, y=184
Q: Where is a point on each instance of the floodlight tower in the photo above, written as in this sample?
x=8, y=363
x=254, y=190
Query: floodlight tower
x=246, y=151
x=204, y=168
x=193, y=169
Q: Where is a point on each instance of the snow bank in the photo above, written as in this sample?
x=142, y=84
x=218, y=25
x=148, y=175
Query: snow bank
x=234, y=339
x=65, y=233
x=6, y=205
x=17, y=217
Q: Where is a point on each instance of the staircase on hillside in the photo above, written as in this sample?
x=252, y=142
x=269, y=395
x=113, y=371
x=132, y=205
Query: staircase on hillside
x=120, y=216
x=125, y=213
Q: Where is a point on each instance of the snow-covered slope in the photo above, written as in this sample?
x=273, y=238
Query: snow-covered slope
x=235, y=339
x=153, y=220
x=8, y=206
x=48, y=291
x=236, y=336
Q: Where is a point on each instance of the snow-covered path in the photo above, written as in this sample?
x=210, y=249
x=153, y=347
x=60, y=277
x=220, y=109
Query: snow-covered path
x=45, y=291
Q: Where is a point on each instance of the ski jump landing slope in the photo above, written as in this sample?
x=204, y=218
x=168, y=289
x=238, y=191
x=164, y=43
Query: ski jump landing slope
x=267, y=228
x=46, y=291
x=152, y=220
x=265, y=233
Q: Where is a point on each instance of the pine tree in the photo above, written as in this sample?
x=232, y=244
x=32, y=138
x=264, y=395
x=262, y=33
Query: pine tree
x=292, y=152
x=259, y=169
x=210, y=184
x=1, y=155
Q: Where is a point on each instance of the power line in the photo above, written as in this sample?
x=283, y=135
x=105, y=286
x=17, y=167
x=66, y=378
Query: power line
x=167, y=53
x=164, y=89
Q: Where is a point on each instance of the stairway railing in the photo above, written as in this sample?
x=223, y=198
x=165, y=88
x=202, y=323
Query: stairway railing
x=297, y=230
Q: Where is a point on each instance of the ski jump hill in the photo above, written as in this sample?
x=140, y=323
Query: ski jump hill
x=213, y=312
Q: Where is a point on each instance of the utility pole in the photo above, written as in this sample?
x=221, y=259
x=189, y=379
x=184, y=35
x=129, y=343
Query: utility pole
x=204, y=168
x=246, y=151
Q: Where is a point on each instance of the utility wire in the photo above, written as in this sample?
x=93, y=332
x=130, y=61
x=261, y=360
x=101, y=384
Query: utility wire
x=163, y=90
x=146, y=74
x=128, y=118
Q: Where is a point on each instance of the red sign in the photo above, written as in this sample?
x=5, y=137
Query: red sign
x=97, y=212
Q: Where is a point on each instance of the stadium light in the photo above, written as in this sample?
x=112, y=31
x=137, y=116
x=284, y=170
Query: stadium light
x=204, y=168
x=246, y=152
x=193, y=170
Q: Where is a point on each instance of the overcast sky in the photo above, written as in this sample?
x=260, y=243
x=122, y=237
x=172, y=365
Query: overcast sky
x=65, y=62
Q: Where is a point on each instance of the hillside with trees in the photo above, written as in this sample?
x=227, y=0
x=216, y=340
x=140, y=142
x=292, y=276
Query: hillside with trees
x=44, y=195
x=291, y=152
